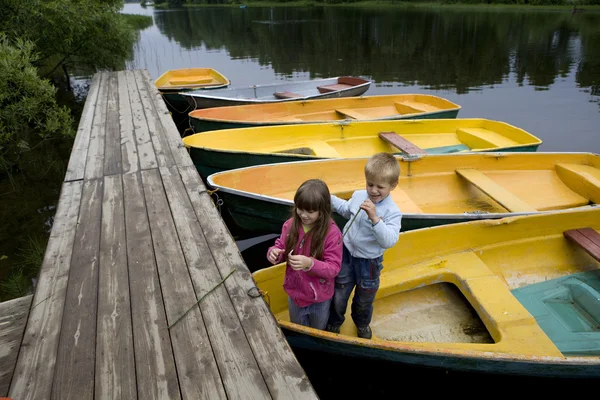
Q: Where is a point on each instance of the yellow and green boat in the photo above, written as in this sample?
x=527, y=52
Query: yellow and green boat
x=363, y=108
x=216, y=151
x=518, y=295
x=432, y=190
x=176, y=81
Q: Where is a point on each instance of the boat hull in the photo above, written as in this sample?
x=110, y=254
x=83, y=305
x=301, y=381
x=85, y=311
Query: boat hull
x=440, y=361
x=200, y=125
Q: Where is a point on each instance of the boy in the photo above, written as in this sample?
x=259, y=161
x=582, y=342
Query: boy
x=365, y=240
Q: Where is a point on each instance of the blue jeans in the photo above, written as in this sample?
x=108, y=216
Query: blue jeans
x=314, y=315
x=363, y=274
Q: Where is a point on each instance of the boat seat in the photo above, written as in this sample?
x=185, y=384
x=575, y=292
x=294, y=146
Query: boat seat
x=286, y=95
x=582, y=179
x=586, y=238
x=499, y=194
x=568, y=310
x=403, y=200
x=404, y=108
x=324, y=150
x=352, y=113
x=400, y=143
x=480, y=138
x=332, y=88
x=190, y=80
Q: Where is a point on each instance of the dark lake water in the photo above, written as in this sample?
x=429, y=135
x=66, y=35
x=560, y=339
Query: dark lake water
x=538, y=70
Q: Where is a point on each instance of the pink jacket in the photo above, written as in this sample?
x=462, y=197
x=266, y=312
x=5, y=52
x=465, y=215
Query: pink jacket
x=317, y=284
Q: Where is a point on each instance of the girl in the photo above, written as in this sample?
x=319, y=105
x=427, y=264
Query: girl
x=311, y=243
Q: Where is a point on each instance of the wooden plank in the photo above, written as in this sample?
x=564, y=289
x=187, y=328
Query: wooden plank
x=180, y=153
x=75, y=363
x=129, y=156
x=239, y=372
x=400, y=143
x=115, y=363
x=499, y=194
x=140, y=126
x=77, y=160
x=587, y=238
x=286, y=95
x=155, y=128
x=13, y=317
x=196, y=366
x=94, y=167
x=283, y=374
x=155, y=367
x=112, y=147
x=37, y=357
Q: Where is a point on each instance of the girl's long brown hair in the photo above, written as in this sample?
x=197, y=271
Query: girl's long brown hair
x=312, y=195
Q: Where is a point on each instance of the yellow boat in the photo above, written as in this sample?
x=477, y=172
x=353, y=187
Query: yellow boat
x=363, y=108
x=177, y=80
x=519, y=295
x=432, y=190
x=216, y=151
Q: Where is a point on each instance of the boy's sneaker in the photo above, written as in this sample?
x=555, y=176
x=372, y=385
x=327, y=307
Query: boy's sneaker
x=365, y=332
x=332, y=328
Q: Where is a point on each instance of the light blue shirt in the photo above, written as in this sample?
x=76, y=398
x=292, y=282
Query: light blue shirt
x=365, y=240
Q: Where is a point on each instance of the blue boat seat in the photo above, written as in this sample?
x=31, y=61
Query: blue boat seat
x=568, y=311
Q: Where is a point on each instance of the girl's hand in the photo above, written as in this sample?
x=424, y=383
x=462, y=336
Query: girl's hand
x=299, y=263
x=371, y=211
x=274, y=255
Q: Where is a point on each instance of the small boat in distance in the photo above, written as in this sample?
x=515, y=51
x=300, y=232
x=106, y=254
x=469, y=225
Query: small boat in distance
x=432, y=189
x=363, y=108
x=216, y=151
x=173, y=82
x=514, y=296
x=343, y=86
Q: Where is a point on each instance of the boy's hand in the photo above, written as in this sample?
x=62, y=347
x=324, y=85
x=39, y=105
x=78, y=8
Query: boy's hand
x=274, y=255
x=299, y=263
x=371, y=211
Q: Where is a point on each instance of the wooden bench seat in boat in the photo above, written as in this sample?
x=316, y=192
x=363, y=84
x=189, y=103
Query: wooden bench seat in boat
x=502, y=196
x=403, y=200
x=582, y=179
x=412, y=107
x=333, y=88
x=286, y=95
x=481, y=138
x=190, y=80
x=400, y=143
x=322, y=149
x=352, y=113
x=586, y=238
x=509, y=323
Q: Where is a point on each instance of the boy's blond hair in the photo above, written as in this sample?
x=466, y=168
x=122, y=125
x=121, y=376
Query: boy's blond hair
x=383, y=167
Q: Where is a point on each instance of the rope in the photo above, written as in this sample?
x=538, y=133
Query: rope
x=259, y=293
x=180, y=112
x=219, y=202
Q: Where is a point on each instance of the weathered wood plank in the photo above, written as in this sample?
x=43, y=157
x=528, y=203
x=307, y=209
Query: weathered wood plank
x=112, y=147
x=77, y=160
x=182, y=157
x=239, y=372
x=13, y=317
x=282, y=372
x=75, y=363
x=587, y=238
x=115, y=363
x=128, y=146
x=155, y=366
x=191, y=346
x=155, y=128
x=95, y=156
x=401, y=143
x=140, y=126
x=34, y=372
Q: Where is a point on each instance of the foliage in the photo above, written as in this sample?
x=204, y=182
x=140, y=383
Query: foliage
x=138, y=22
x=29, y=114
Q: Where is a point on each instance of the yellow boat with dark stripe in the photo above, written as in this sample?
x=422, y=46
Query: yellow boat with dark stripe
x=519, y=295
x=432, y=190
x=364, y=108
x=216, y=151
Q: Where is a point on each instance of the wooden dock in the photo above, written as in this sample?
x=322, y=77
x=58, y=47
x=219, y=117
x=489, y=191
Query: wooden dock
x=136, y=242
